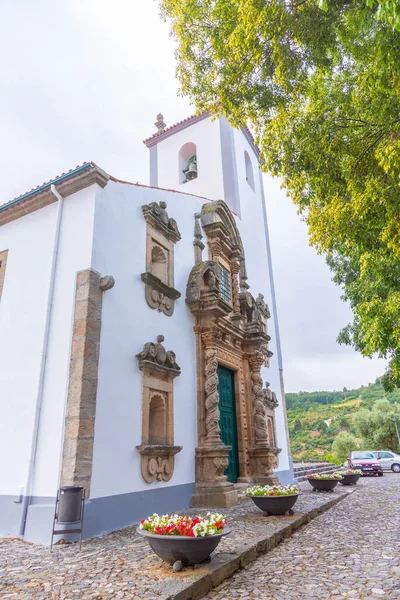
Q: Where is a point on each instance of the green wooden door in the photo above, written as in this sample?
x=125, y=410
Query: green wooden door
x=227, y=420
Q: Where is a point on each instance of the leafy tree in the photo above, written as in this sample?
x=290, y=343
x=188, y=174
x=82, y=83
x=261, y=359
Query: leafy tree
x=376, y=426
x=321, y=90
x=319, y=425
x=343, y=444
x=297, y=425
x=386, y=10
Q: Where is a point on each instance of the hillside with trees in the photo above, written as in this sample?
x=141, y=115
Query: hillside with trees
x=316, y=418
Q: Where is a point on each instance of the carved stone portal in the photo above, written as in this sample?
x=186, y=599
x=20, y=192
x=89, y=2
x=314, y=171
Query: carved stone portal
x=162, y=234
x=231, y=330
x=157, y=450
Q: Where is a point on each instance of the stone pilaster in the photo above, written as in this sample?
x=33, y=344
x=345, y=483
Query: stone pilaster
x=235, y=268
x=3, y=265
x=197, y=243
x=263, y=456
x=263, y=461
x=82, y=390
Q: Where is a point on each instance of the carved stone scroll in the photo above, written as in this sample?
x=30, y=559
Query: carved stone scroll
x=157, y=462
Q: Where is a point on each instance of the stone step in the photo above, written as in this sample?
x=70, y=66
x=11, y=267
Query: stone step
x=301, y=471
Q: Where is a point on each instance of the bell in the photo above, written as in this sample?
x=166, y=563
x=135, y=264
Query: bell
x=192, y=171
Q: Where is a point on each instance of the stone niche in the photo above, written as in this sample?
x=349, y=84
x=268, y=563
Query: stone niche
x=161, y=236
x=157, y=450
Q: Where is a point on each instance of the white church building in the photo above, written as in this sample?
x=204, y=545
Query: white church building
x=139, y=342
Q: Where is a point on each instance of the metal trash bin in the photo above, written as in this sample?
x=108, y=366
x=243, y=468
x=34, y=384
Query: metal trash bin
x=70, y=504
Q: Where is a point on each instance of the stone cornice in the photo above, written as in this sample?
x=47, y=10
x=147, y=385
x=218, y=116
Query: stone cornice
x=71, y=185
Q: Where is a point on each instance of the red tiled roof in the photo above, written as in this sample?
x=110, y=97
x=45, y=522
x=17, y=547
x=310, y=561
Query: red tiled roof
x=79, y=168
x=168, y=130
x=150, y=141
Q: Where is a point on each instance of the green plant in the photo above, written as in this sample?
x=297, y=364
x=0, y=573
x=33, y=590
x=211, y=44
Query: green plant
x=343, y=444
x=332, y=459
x=320, y=90
x=273, y=490
x=377, y=427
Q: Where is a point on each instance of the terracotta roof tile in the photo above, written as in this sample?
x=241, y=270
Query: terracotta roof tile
x=45, y=184
x=150, y=141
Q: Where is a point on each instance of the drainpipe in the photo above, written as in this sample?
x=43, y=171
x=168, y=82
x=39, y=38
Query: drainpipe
x=39, y=396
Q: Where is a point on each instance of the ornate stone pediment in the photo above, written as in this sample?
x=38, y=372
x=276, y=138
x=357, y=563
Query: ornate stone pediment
x=221, y=229
x=203, y=290
x=156, y=215
x=155, y=357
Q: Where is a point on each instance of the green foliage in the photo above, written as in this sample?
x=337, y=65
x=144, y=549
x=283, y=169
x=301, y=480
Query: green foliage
x=331, y=458
x=343, y=444
x=377, y=428
x=386, y=10
x=321, y=90
x=312, y=411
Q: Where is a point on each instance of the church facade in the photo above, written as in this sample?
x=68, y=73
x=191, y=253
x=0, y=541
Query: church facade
x=139, y=341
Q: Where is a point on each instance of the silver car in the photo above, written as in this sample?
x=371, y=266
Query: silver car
x=388, y=460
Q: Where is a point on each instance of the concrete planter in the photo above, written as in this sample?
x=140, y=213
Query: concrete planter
x=180, y=549
x=350, y=479
x=323, y=485
x=275, y=505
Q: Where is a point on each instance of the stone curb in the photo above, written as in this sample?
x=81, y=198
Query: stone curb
x=224, y=565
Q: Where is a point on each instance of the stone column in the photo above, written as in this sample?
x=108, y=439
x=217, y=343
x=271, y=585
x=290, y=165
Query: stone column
x=212, y=487
x=212, y=433
x=82, y=390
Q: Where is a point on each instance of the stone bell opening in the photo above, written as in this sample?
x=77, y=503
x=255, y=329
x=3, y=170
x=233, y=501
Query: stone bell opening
x=228, y=421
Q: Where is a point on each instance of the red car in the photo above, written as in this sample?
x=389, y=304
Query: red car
x=366, y=462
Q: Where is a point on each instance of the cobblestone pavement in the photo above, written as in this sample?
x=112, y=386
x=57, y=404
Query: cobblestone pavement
x=120, y=565
x=351, y=551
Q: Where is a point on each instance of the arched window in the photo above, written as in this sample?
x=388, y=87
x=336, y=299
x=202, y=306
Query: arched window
x=157, y=421
x=187, y=161
x=159, y=263
x=249, y=170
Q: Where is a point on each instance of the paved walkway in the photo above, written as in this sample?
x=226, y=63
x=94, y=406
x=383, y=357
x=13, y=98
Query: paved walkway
x=121, y=566
x=351, y=551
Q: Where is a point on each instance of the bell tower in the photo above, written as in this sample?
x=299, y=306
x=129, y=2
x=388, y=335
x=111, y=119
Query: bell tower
x=206, y=157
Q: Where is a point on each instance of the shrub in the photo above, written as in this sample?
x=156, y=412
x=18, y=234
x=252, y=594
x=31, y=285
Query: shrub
x=343, y=444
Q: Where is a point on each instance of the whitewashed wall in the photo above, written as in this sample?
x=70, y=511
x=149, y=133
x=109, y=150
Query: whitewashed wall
x=252, y=229
x=206, y=135
x=22, y=318
x=127, y=323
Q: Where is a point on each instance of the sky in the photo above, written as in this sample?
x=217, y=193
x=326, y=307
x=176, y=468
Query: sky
x=84, y=80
